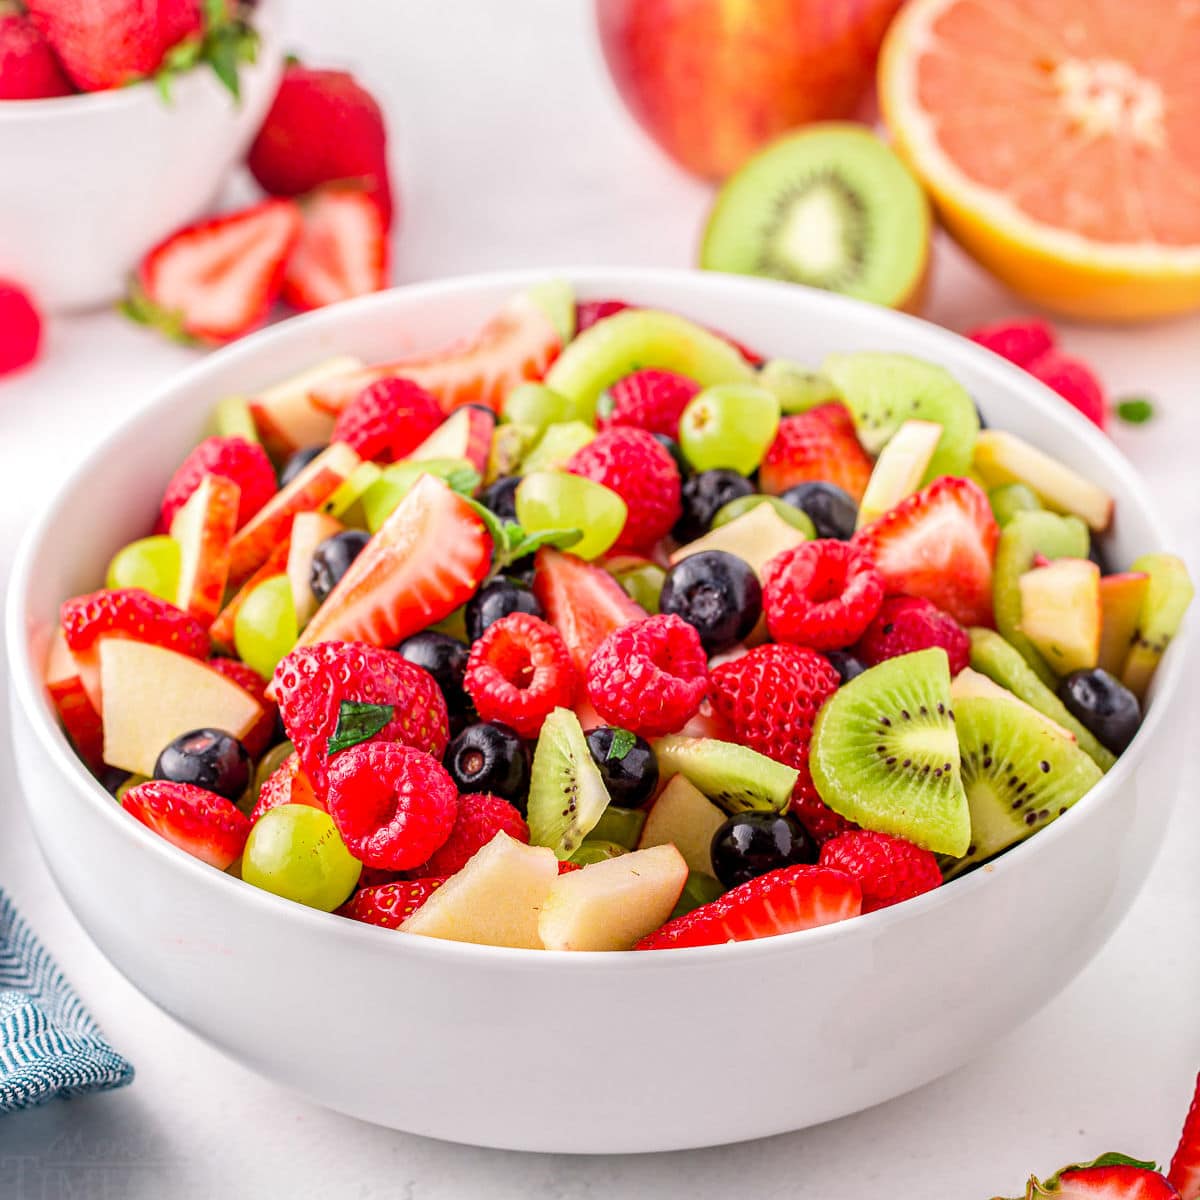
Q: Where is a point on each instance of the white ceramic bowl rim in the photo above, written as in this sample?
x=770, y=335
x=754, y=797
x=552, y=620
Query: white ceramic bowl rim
x=594, y=282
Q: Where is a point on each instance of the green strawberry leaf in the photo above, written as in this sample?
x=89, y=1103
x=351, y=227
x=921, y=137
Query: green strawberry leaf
x=1135, y=410
x=623, y=741
x=137, y=306
x=358, y=722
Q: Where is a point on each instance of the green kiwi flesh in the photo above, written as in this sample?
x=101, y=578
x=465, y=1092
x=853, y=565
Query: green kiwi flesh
x=567, y=795
x=735, y=778
x=1167, y=598
x=830, y=206
x=795, y=387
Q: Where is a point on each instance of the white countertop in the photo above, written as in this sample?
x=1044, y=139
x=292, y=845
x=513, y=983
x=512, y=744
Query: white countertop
x=510, y=150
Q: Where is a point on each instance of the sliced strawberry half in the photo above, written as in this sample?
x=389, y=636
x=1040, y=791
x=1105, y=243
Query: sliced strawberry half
x=518, y=343
x=287, y=784
x=428, y=558
x=389, y=905
x=582, y=601
x=1110, y=1177
x=784, y=901
x=206, y=825
x=940, y=544
x=342, y=251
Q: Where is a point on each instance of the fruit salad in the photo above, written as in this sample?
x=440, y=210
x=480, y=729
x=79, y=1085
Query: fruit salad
x=596, y=631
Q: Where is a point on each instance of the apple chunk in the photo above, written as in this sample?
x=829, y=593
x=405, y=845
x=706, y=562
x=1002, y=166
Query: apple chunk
x=1168, y=594
x=80, y=717
x=898, y=471
x=204, y=528
x=152, y=695
x=683, y=816
x=610, y=905
x=1121, y=599
x=755, y=537
x=465, y=433
x=1060, y=613
x=309, y=530
x=284, y=414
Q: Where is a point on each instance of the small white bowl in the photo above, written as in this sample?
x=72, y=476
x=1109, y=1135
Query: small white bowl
x=89, y=183
x=579, y=1052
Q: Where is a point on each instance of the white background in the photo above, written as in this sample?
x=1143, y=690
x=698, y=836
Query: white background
x=510, y=150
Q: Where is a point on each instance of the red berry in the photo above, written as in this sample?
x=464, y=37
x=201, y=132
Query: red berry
x=389, y=905
x=133, y=614
x=246, y=463
x=649, y=399
x=29, y=69
x=816, y=446
x=518, y=671
x=588, y=312
x=312, y=682
x=650, y=676
x=480, y=817
x=342, y=251
x=287, y=784
x=1185, y=1163
x=1019, y=340
x=888, y=869
x=249, y=680
x=393, y=805
x=1075, y=382
x=205, y=825
x=640, y=469
x=20, y=328
x=909, y=623
x=387, y=420
x=821, y=594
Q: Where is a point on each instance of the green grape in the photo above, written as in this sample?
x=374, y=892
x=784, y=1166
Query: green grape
x=797, y=388
x=555, y=500
x=269, y=764
x=557, y=445
x=233, y=419
x=743, y=504
x=730, y=425
x=151, y=563
x=644, y=584
x=266, y=627
x=131, y=782
x=596, y=851
x=622, y=826
x=697, y=890
x=1011, y=498
x=535, y=406
x=296, y=852
x=393, y=483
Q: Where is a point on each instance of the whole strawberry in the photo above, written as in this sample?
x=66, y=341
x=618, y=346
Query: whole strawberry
x=28, y=67
x=650, y=399
x=20, y=328
x=246, y=463
x=387, y=420
x=888, y=869
x=816, y=446
x=480, y=817
x=908, y=623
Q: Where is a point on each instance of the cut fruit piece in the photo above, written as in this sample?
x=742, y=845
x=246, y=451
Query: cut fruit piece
x=154, y=695
x=992, y=656
x=1168, y=595
x=1004, y=458
x=495, y=900
x=556, y=298
x=619, y=826
x=755, y=537
x=465, y=434
x=1121, y=599
x=1060, y=613
x=735, y=778
x=557, y=445
x=637, y=338
x=882, y=391
x=683, y=816
x=699, y=889
x=427, y=559
x=80, y=717
x=204, y=528
x=884, y=753
x=970, y=684
x=548, y=501
x=394, y=482
x=342, y=251
x=1018, y=773
x=222, y=629
x=797, y=388
x=151, y=563
x=232, y=418
x=284, y=415
x=309, y=530
x=596, y=850
x=612, y=904
x=566, y=791
x=346, y=503
x=830, y=206
x=901, y=466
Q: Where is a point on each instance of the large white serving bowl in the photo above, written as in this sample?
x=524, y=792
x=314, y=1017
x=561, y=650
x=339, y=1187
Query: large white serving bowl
x=582, y=1052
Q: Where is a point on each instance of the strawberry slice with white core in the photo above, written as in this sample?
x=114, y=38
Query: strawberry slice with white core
x=1185, y=1163
x=342, y=251
x=205, y=825
x=428, y=558
x=204, y=528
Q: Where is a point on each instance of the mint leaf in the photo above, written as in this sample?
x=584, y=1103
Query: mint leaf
x=463, y=480
x=527, y=543
x=1135, y=410
x=358, y=722
x=622, y=742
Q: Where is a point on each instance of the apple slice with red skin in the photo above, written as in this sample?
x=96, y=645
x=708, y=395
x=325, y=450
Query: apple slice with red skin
x=285, y=416
x=309, y=530
x=80, y=717
x=221, y=630
x=1121, y=599
x=466, y=433
x=204, y=528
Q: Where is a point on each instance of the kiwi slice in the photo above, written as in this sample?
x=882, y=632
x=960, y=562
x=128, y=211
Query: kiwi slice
x=882, y=391
x=830, y=206
x=1019, y=775
x=885, y=755
x=1167, y=597
x=622, y=826
x=992, y=656
x=795, y=387
x=735, y=778
x=567, y=795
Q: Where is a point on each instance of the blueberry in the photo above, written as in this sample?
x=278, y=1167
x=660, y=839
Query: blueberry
x=702, y=495
x=716, y=593
x=752, y=843
x=111, y=779
x=297, y=463
x=522, y=570
x=490, y=757
x=979, y=413
x=675, y=450
x=445, y=658
x=497, y=598
x=630, y=778
x=831, y=510
x=1103, y=704
x=845, y=664
x=332, y=559
x=209, y=758
x=500, y=497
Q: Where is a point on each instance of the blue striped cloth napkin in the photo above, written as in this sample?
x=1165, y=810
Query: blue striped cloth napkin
x=50, y=1045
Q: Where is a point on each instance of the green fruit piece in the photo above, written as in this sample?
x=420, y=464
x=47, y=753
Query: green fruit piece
x=796, y=388
x=270, y=763
x=643, y=584
x=884, y=753
x=346, y=501
x=795, y=517
x=233, y=419
x=992, y=656
x=548, y=500
x=129, y=783
x=882, y=391
x=556, y=298
x=620, y=825
x=729, y=425
x=596, y=850
x=567, y=795
x=556, y=445
x=397, y=480
x=830, y=206
x=151, y=563
x=510, y=444
x=536, y=407
x=1011, y=498
x=1167, y=597
x=735, y=778
x=296, y=852
x=455, y=625
x=1018, y=773
x=1027, y=535
x=266, y=628
x=636, y=338
x=697, y=890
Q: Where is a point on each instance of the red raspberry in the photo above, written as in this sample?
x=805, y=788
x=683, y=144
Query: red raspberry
x=312, y=683
x=389, y=905
x=287, y=784
x=642, y=472
x=889, y=869
x=246, y=463
x=588, y=312
x=518, y=671
x=200, y=822
x=260, y=737
x=1021, y=341
x=480, y=817
x=1075, y=382
x=387, y=420
x=820, y=445
x=393, y=805
x=908, y=623
x=649, y=676
x=134, y=614
x=20, y=327
x=821, y=594
x=651, y=399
